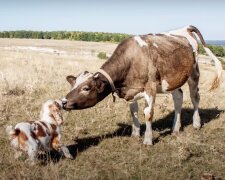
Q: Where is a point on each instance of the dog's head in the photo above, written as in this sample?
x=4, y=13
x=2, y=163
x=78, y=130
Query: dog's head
x=53, y=108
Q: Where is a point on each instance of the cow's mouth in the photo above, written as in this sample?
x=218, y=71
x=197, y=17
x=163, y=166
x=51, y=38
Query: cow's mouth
x=69, y=107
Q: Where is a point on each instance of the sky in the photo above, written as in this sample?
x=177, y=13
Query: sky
x=121, y=16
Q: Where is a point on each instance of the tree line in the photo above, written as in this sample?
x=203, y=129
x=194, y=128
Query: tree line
x=74, y=35
x=88, y=36
x=217, y=50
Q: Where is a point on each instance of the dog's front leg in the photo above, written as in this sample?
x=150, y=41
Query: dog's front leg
x=62, y=149
x=65, y=151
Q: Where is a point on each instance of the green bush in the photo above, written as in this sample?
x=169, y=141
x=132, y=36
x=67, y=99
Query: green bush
x=102, y=55
x=217, y=50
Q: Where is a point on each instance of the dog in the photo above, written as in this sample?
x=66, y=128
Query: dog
x=42, y=135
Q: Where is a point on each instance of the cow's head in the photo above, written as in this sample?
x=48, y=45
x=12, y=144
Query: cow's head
x=87, y=90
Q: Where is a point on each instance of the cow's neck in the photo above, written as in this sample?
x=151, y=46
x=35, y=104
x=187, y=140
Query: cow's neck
x=117, y=69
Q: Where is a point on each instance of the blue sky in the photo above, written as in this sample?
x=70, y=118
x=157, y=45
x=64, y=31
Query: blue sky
x=124, y=16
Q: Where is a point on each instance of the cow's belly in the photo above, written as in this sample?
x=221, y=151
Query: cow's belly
x=175, y=73
x=171, y=83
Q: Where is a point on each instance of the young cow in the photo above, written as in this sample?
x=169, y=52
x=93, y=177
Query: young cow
x=138, y=66
x=45, y=134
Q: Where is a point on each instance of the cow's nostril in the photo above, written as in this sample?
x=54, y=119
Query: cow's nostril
x=64, y=101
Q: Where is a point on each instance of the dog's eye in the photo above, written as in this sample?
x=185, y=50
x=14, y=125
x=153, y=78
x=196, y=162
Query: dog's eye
x=86, y=88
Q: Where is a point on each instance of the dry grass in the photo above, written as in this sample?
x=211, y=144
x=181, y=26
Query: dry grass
x=99, y=137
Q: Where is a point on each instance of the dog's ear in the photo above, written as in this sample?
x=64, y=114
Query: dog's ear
x=71, y=79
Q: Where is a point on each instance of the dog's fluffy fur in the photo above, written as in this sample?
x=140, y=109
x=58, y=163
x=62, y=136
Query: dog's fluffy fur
x=44, y=134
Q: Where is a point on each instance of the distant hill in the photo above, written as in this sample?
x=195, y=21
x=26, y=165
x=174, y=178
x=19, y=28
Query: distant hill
x=216, y=42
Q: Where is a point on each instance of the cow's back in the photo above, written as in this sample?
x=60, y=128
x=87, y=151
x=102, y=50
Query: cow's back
x=172, y=57
x=138, y=61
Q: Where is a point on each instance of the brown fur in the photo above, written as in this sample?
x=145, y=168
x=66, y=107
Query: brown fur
x=40, y=131
x=55, y=142
x=22, y=138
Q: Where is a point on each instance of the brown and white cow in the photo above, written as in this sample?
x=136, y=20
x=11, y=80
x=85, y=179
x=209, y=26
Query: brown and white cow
x=140, y=65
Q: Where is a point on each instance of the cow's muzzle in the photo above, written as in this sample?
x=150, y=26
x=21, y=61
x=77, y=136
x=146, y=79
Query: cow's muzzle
x=64, y=102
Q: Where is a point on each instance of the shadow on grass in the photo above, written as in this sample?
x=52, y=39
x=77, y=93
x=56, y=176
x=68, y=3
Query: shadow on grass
x=164, y=126
x=160, y=125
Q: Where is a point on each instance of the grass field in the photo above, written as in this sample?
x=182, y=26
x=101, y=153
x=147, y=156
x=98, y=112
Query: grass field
x=33, y=71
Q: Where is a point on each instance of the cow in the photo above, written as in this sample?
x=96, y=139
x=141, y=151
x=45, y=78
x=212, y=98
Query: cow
x=138, y=67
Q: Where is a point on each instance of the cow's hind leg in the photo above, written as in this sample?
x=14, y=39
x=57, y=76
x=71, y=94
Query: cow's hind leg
x=136, y=124
x=148, y=112
x=178, y=100
x=195, y=97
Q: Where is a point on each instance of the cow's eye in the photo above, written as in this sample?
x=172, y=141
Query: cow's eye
x=86, y=88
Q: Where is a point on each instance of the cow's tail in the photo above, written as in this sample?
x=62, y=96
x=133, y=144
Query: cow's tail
x=218, y=65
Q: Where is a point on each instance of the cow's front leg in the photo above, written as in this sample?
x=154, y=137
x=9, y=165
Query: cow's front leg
x=136, y=124
x=148, y=112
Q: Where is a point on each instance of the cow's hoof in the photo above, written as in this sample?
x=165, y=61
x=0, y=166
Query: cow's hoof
x=196, y=121
x=147, y=142
x=135, y=134
x=197, y=126
x=175, y=133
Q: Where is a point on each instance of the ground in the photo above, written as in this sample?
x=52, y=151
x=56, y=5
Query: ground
x=33, y=71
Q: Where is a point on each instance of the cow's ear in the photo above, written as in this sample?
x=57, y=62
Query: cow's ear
x=100, y=84
x=71, y=79
x=96, y=76
x=86, y=72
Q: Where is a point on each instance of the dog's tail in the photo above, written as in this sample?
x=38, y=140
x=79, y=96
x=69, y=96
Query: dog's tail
x=218, y=65
x=11, y=131
x=13, y=134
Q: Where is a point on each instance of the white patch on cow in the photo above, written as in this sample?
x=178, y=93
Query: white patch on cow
x=148, y=133
x=165, y=85
x=140, y=41
x=154, y=44
x=147, y=111
x=183, y=32
x=82, y=78
x=148, y=99
x=96, y=75
x=64, y=100
x=138, y=96
x=196, y=119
